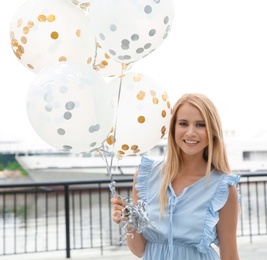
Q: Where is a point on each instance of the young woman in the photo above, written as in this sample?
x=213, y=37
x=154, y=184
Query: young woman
x=191, y=196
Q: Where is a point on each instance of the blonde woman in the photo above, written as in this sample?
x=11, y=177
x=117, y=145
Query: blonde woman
x=191, y=196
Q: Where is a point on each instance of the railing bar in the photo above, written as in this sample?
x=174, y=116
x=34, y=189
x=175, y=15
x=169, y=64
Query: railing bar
x=81, y=218
x=67, y=219
x=15, y=223
x=36, y=219
x=91, y=218
x=265, y=206
x=249, y=211
x=258, y=209
x=110, y=220
x=26, y=222
x=46, y=219
x=57, y=221
x=73, y=219
x=100, y=218
x=4, y=224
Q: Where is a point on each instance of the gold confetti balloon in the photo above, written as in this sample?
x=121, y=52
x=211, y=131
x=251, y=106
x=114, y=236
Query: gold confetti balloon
x=130, y=30
x=143, y=114
x=45, y=32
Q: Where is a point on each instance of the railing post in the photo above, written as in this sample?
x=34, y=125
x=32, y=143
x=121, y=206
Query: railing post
x=67, y=219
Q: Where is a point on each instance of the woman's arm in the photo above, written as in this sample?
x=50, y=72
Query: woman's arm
x=137, y=243
x=226, y=227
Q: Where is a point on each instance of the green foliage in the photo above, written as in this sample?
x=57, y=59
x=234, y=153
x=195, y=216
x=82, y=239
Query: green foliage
x=12, y=166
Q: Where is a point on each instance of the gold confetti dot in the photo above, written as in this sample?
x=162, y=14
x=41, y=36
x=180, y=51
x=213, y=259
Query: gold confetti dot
x=26, y=29
x=155, y=100
x=107, y=56
x=137, y=77
x=54, y=35
x=110, y=140
x=12, y=35
x=78, y=33
x=30, y=66
x=141, y=95
x=89, y=60
x=30, y=24
x=41, y=18
x=141, y=119
x=153, y=93
x=23, y=40
x=122, y=76
x=19, y=22
x=62, y=58
x=168, y=104
x=121, y=152
x=104, y=62
x=125, y=147
x=164, y=96
x=20, y=49
x=51, y=18
x=134, y=147
x=14, y=43
x=163, y=113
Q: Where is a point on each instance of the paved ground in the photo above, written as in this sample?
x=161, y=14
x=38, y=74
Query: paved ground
x=247, y=251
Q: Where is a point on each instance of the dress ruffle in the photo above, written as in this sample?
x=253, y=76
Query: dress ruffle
x=142, y=177
x=218, y=201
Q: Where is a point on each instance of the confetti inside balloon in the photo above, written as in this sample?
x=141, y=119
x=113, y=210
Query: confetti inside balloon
x=143, y=114
x=43, y=32
x=70, y=107
x=130, y=30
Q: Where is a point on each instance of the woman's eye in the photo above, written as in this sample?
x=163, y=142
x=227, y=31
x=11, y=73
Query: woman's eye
x=182, y=123
x=201, y=125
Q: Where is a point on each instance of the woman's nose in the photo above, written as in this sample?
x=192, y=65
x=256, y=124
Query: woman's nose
x=190, y=131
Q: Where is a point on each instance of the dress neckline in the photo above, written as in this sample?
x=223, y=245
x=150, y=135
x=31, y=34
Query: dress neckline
x=189, y=186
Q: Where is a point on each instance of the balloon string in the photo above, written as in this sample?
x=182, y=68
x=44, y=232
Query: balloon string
x=103, y=150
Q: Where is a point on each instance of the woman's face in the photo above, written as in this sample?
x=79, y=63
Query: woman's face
x=190, y=130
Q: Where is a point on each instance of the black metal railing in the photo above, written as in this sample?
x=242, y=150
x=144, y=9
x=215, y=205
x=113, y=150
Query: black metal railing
x=43, y=217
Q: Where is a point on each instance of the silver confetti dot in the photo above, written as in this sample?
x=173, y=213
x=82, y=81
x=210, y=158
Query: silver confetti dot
x=102, y=36
x=166, y=19
x=61, y=131
x=67, y=147
x=135, y=37
x=147, y=46
x=48, y=108
x=148, y=9
x=112, y=52
x=113, y=27
x=63, y=89
x=139, y=50
x=152, y=32
x=70, y=105
x=93, y=144
x=67, y=115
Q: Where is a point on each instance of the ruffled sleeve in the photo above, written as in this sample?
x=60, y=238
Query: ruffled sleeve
x=142, y=178
x=218, y=201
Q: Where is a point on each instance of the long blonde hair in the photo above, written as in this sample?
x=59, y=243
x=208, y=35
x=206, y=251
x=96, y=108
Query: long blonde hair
x=214, y=154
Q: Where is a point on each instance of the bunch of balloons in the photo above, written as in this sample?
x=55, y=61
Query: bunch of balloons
x=72, y=46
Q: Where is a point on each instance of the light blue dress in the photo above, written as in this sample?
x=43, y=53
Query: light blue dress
x=188, y=229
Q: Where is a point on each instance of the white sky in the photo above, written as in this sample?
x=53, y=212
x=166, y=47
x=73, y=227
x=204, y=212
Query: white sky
x=218, y=48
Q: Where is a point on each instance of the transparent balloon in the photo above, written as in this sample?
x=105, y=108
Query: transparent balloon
x=70, y=107
x=45, y=32
x=143, y=113
x=130, y=30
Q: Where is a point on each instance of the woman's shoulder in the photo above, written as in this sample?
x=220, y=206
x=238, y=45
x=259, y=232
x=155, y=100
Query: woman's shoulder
x=148, y=173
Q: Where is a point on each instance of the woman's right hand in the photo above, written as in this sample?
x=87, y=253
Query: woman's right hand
x=118, y=206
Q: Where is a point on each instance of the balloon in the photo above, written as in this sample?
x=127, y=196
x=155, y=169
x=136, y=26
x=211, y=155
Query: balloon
x=130, y=30
x=142, y=114
x=106, y=66
x=43, y=32
x=70, y=107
